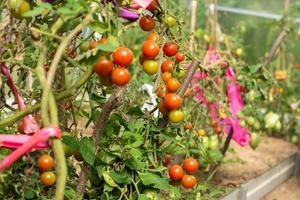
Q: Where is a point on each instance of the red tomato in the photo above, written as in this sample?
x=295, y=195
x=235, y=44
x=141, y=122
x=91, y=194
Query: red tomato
x=191, y=165
x=188, y=126
x=166, y=76
x=152, y=6
x=147, y=23
x=103, y=67
x=218, y=129
x=188, y=181
x=123, y=56
x=180, y=57
x=161, y=91
x=150, y=49
x=153, y=36
x=172, y=101
x=167, y=160
x=120, y=76
x=176, y=172
x=163, y=109
x=20, y=127
x=47, y=178
x=167, y=66
x=170, y=49
x=173, y=85
x=46, y=162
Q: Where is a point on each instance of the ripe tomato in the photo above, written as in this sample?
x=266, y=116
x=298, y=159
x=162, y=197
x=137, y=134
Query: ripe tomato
x=46, y=162
x=179, y=57
x=142, y=58
x=120, y=76
x=161, y=91
x=190, y=165
x=218, y=129
x=172, y=101
x=104, y=66
x=150, y=67
x=152, y=6
x=153, y=37
x=94, y=43
x=170, y=20
x=150, y=49
x=47, y=178
x=212, y=123
x=176, y=116
x=20, y=127
x=71, y=53
x=123, y=56
x=147, y=23
x=166, y=76
x=167, y=66
x=170, y=49
x=173, y=85
x=176, y=172
x=167, y=160
x=188, y=126
x=188, y=181
x=163, y=109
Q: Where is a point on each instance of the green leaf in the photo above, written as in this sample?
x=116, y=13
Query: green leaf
x=254, y=68
x=99, y=27
x=135, y=111
x=41, y=8
x=143, y=197
x=71, y=141
x=106, y=158
x=135, y=162
x=122, y=177
x=28, y=194
x=118, y=118
x=98, y=99
x=87, y=150
x=157, y=181
x=109, y=180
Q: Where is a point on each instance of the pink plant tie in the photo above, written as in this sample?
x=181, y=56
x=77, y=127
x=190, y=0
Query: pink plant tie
x=42, y=136
x=29, y=123
x=15, y=141
x=143, y=3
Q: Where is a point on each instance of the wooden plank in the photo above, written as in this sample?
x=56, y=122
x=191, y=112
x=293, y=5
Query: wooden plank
x=258, y=187
x=297, y=165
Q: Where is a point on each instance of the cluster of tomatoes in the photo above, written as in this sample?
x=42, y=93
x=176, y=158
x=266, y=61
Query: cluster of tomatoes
x=46, y=164
x=176, y=172
x=171, y=102
x=114, y=70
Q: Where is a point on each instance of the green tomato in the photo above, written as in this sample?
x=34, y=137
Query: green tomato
x=151, y=194
x=255, y=140
x=205, y=142
x=243, y=123
x=240, y=115
x=250, y=121
x=68, y=150
x=251, y=95
x=213, y=142
x=180, y=74
x=18, y=8
x=256, y=125
x=84, y=46
x=170, y=20
x=209, y=98
x=294, y=139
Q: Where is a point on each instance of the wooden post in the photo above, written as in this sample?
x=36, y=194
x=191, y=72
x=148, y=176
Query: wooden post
x=193, y=23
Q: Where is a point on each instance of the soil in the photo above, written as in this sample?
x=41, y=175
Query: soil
x=243, y=163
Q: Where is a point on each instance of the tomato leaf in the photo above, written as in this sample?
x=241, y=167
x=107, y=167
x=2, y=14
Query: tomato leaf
x=71, y=141
x=99, y=27
x=143, y=197
x=108, y=179
x=40, y=9
x=87, y=150
x=155, y=180
x=122, y=177
x=135, y=162
x=105, y=157
x=135, y=111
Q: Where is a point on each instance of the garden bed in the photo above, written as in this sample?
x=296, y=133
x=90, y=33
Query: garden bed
x=243, y=165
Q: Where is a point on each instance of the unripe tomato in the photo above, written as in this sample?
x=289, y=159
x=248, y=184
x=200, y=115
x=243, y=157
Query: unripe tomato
x=179, y=57
x=150, y=67
x=18, y=8
x=213, y=123
x=188, y=125
x=150, y=49
x=201, y=132
x=123, y=56
x=167, y=66
x=46, y=162
x=94, y=43
x=120, y=76
x=176, y=116
x=191, y=165
x=147, y=23
x=47, y=178
x=250, y=121
x=176, y=172
x=255, y=140
x=153, y=37
x=84, y=46
x=181, y=73
x=172, y=101
x=170, y=49
x=68, y=150
x=150, y=194
x=103, y=67
x=166, y=76
x=161, y=91
x=170, y=20
x=173, y=85
x=188, y=181
x=239, y=51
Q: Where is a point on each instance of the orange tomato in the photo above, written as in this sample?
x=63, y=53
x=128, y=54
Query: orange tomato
x=167, y=66
x=173, y=85
x=120, y=76
x=166, y=76
x=172, y=101
x=46, y=162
